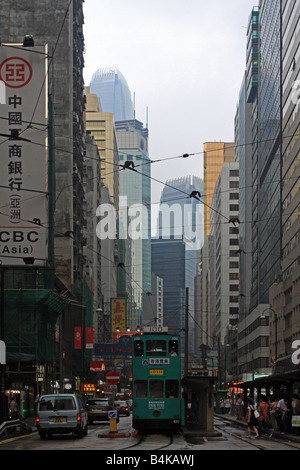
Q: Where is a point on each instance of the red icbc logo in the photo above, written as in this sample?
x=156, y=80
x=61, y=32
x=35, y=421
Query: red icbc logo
x=15, y=72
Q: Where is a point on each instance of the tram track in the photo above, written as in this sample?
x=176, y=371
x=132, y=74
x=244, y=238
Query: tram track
x=143, y=440
x=258, y=444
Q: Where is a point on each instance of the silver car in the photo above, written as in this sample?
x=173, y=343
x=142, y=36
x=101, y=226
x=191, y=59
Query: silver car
x=61, y=414
x=98, y=409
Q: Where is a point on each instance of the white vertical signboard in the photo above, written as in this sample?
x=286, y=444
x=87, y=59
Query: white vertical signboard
x=24, y=155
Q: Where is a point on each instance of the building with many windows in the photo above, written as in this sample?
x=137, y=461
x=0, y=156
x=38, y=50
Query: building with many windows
x=135, y=213
x=224, y=258
x=284, y=295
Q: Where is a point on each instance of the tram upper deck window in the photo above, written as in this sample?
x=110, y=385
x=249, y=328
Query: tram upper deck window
x=173, y=347
x=156, y=347
x=138, y=348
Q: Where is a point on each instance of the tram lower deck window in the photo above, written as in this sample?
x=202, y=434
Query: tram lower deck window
x=141, y=388
x=156, y=389
x=172, y=387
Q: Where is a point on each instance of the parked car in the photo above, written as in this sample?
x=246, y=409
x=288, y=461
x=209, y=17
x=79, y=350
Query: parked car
x=98, y=408
x=61, y=414
x=122, y=407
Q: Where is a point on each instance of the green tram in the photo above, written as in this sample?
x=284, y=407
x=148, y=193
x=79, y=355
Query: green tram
x=156, y=381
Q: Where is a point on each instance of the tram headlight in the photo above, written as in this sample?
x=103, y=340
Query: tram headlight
x=156, y=413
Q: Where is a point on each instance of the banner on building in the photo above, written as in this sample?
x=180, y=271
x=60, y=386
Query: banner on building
x=77, y=337
x=118, y=314
x=98, y=366
x=89, y=341
x=24, y=156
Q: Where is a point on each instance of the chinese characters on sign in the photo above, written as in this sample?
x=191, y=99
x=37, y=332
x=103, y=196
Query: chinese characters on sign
x=24, y=157
x=118, y=314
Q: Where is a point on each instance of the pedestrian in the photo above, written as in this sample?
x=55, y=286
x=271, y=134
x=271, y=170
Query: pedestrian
x=296, y=404
x=280, y=409
x=239, y=407
x=273, y=406
x=287, y=416
x=251, y=419
x=227, y=405
x=296, y=412
x=13, y=409
x=264, y=417
x=222, y=405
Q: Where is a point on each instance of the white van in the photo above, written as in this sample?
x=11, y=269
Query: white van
x=61, y=414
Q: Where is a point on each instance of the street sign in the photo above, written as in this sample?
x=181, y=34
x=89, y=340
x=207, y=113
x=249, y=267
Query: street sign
x=112, y=377
x=112, y=414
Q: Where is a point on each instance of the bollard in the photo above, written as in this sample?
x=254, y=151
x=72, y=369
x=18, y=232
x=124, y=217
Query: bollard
x=112, y=415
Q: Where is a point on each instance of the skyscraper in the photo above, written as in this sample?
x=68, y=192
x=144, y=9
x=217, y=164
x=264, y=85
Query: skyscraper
x=113, y=93
x=270, y=146
x=135, y=213
x=180, y=214
x=114, y=96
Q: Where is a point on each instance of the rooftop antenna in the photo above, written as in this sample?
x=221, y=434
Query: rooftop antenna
x=147, y=117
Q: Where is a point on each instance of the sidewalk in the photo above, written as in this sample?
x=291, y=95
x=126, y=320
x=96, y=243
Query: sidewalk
x=243, y=423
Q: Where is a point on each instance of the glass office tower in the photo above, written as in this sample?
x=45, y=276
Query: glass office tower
x=135, y=213
x=113, y=92
x=270, y=145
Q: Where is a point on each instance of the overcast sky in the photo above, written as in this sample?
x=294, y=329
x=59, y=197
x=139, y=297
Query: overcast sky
x=184, y=60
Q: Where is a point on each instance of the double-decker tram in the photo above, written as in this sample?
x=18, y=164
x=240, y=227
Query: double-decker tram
x=156, y=381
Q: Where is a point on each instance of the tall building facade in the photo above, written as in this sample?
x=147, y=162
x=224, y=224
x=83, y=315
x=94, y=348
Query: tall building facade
x=114, y=97
x=270, y=146
x=181, y=217
x=224, y=267
x=215, y=155
x=169, y=259
x=135, y=213
x=284, y=295
x=113, y=93
x=225, y=258
x=253, y=328
x=64, y=79
x=243, y=154
x=101, y=126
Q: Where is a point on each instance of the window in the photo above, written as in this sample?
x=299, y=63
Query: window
x=234, y=173
x=234, y=264
x=233, y=287
x=140, y=388
x=138, y=348
x=156, y=389
x=173, y=348
x=57, y=403
x=233, y=207
x=172, y=388
x=233, y=276
x=155, y=347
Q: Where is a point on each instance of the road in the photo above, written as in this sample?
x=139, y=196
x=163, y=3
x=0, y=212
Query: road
x=232, y=438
